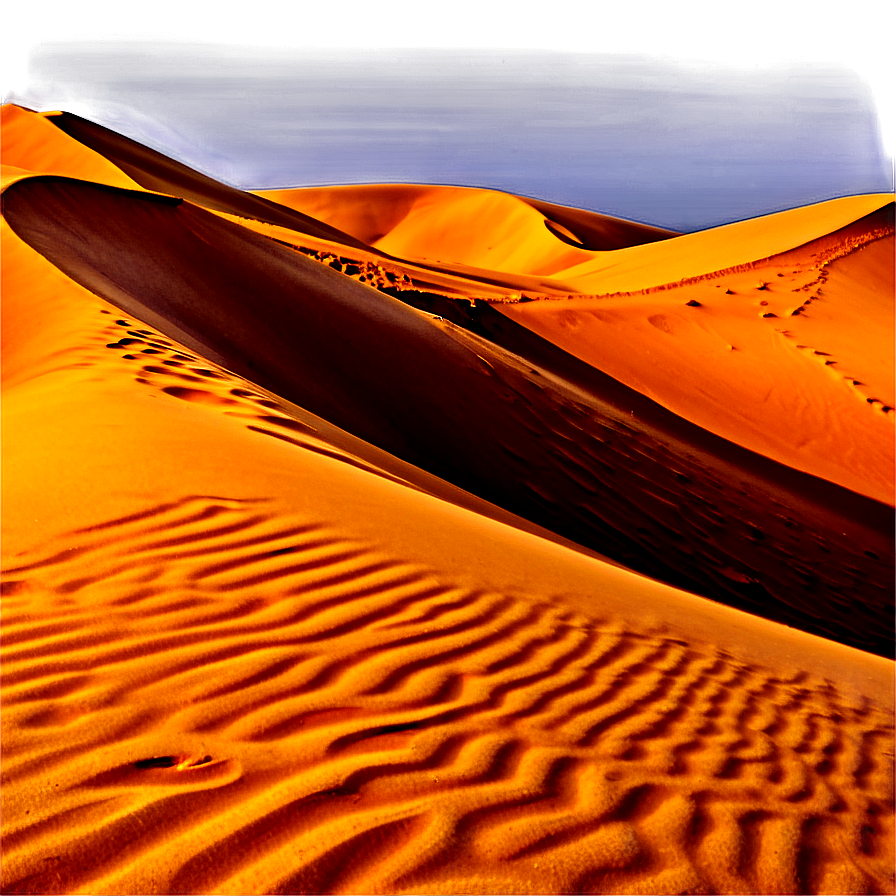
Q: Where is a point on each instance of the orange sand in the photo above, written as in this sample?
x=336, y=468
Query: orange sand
x=245, y=650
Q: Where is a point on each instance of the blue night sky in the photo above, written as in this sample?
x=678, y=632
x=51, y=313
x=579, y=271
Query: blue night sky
x=683, y=115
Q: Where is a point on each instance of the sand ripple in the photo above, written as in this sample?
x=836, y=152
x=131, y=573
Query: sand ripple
x=356, y=723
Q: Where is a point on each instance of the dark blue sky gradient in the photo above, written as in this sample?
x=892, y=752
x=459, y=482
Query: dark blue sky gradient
x=683, y=115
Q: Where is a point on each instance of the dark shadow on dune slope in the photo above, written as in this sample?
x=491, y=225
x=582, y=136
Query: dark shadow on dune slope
x=594, y=231
x=155, y=171
x=533, y=431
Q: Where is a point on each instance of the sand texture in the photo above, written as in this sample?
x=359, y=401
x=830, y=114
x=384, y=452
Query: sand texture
x=407, y=539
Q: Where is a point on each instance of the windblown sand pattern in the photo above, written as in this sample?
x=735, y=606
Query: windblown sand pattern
x=361, y=724
x=264, y=632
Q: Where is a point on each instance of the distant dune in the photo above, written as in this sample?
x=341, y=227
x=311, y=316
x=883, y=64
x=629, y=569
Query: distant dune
x=402, y=539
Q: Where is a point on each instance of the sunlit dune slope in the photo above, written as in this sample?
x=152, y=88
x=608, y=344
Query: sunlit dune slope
x=792, y=356
x=32, y=143
x=463, y=225
x=719, y=248
x=607, y=468
x=245, y=652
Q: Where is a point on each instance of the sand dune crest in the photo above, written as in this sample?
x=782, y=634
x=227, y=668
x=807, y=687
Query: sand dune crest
x=467, y=226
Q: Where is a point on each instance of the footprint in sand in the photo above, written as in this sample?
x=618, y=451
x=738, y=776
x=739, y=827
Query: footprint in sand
x=180, y=366
x=830, y=362
x=179, y=763
x=181, y=770
x=199, y=396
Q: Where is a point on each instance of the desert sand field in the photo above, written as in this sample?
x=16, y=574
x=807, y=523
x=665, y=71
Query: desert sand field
x=417, y=539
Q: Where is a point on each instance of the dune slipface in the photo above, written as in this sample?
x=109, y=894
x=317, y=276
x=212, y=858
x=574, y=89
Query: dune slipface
x=308, y=590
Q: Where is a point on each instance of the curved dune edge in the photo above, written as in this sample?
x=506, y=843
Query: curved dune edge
x=31, y=142
x=466, y=225
x=792, y=357
x=245, y=651
x=62, y=143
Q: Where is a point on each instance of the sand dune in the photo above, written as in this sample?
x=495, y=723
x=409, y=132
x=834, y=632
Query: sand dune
x=134, y=164
x=32, y=143
x=468, y=226
x=752, y=359
x=786, y=357
x=309, y=590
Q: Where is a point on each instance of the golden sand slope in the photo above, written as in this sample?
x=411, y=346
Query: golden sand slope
x=32, y=143
x=792, y=357
x=245, y=651
x=467, y=226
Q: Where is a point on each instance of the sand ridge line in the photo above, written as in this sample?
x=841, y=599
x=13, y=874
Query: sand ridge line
x=848, y=241
x=722, y=355
x=553, y=732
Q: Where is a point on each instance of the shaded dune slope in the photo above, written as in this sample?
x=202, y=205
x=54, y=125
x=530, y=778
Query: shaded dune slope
x=605, y=467
x=158, y=172
x=596, y=231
